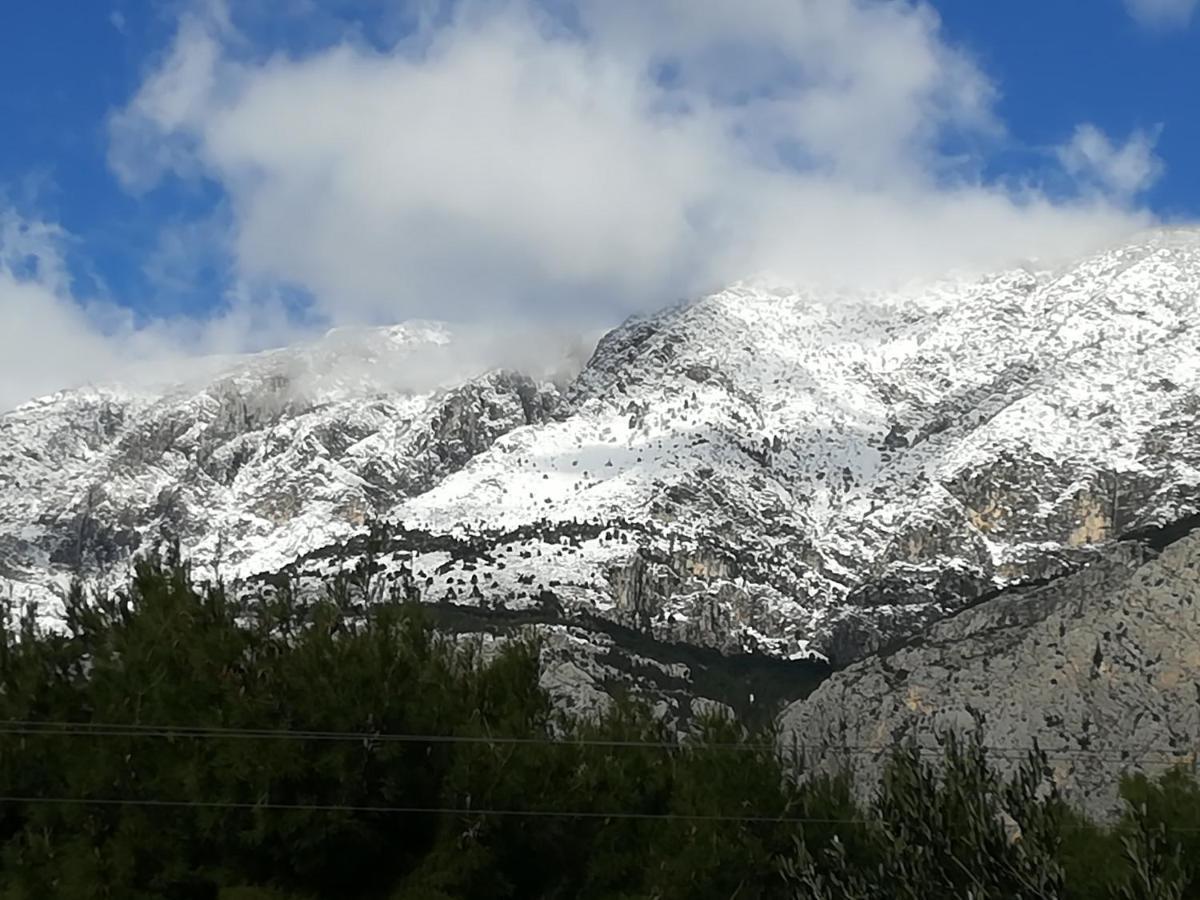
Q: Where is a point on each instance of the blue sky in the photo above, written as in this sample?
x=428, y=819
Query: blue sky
x=224, y=177
x=1056, y=64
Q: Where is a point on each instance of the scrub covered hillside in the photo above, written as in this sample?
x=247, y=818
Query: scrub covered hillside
x=176, y=742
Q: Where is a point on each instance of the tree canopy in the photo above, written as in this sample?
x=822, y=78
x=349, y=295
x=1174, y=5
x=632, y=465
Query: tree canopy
x=176, y=741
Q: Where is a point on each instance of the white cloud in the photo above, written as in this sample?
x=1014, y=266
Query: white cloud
x=631, y=153
x=178, y=93
x=46, y=339
x=1122, y=170
x=50, y=339
x=504, y=166
x=1162, y=13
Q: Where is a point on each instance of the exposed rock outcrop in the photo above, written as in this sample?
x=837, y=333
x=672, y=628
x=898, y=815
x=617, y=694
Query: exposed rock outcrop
x=1100, y=668
x=767, y=469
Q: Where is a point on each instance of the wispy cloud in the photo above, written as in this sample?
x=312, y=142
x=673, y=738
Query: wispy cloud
x=1121, y=170
x=1162, y=13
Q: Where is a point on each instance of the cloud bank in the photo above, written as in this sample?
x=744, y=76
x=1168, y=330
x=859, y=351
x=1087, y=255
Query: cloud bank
x=605, y=156
x=47, y=340
x=571, y=161
x=51, y=339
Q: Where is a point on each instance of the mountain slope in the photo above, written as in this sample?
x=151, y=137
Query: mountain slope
x=279, y=454
x=1100, y=668
x=798, y=471
x=766, y=469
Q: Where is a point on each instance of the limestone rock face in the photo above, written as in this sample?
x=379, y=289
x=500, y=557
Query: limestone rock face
x=277, y=455
x=769, y=469
x=837, y=473
x=1101, y=668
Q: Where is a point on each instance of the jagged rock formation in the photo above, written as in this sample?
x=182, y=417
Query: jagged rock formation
x=277, y=455
x=766, y=470
x=789, y=473
x=1101, y=668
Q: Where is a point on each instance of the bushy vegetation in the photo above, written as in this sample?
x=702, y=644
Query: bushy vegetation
x=282, y=776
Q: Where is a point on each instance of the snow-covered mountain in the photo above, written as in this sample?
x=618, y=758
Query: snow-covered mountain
x=275, y=455
x=767, y=469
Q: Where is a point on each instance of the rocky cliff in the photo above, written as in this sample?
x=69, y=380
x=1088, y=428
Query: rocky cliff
x=768, y=471
x=1100, y=668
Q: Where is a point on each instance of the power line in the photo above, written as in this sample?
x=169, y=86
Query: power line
x=109, y=729
x=464, y=811
x=430, y=810
x=101, y=729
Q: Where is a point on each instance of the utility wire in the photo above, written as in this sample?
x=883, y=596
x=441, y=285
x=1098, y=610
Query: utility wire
x=103, y=729
x=109, y=729
x=460, y=811
x=430, y=810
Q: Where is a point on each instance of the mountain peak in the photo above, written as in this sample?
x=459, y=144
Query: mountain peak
x=767, y=467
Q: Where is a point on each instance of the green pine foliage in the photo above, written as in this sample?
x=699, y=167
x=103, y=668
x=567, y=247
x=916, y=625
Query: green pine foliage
x=949, y=831
x=273, y=802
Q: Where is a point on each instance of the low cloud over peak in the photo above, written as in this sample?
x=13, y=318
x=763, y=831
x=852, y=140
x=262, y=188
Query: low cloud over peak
x=602, y=157
x=558, y=162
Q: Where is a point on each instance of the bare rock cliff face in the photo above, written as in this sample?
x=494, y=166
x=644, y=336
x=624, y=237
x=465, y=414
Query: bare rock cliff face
x=768, y=471
x=1100, y=668
x=273, y=458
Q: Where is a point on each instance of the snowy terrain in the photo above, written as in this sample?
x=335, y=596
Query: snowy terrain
x=764, y=469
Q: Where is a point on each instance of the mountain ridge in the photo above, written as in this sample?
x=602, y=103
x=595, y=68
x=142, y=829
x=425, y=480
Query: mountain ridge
x=770, y=469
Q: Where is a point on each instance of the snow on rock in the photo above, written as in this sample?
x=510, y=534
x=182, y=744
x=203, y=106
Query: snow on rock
x=280, y=454
x=764, y=469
